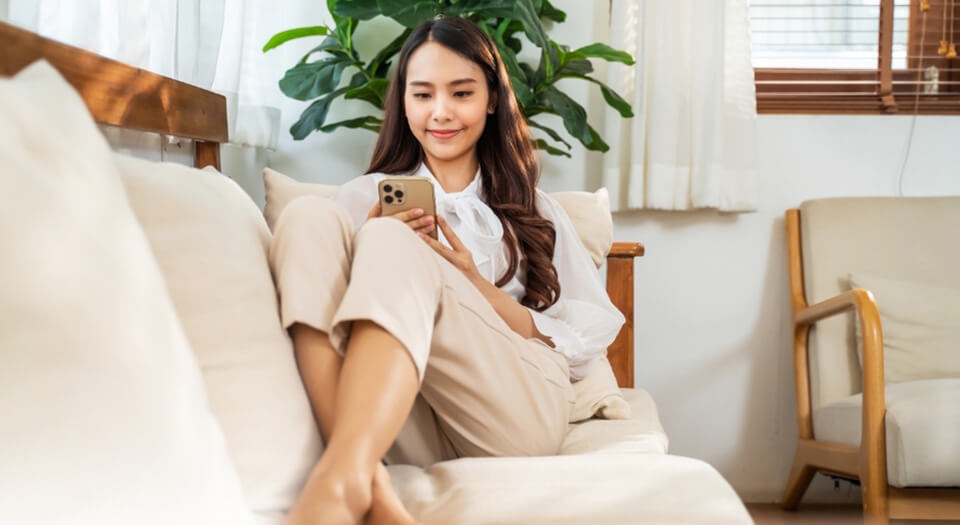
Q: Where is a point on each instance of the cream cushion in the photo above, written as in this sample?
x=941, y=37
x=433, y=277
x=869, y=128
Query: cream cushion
x=103, y=411
x=923, y=431
x=599, y=394
x=211, y=242
x=903, y=238
x=921, y=328
x=578, y=489
x=642, y=433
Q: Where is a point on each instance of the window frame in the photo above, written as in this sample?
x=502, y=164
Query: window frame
x=861, y=91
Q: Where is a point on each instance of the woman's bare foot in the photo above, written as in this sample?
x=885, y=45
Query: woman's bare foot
x=332, y=495
x=386, y=508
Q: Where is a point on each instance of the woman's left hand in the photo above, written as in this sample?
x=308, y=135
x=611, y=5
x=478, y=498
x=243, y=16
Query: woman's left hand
x=459, y=256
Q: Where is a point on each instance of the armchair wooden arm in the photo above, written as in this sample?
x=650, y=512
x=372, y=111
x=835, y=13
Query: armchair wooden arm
x=620, y=290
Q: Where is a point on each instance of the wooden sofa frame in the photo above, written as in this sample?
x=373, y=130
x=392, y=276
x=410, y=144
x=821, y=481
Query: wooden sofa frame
x=120, y=95
x=868, y=462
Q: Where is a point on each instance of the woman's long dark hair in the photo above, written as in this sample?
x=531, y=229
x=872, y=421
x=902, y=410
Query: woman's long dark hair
x=508, y=163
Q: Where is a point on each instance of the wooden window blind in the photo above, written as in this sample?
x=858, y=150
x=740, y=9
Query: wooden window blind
x=856, y=56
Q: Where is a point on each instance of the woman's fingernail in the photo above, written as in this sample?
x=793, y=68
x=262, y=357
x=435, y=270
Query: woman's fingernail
x=419, y=235
x=418, y=212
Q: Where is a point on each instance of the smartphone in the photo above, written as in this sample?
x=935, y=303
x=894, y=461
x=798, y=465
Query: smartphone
x=402, y=193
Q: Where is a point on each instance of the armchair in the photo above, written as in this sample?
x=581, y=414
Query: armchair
x=901, y=426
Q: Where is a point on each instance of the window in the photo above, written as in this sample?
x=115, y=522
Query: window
x=856, y=56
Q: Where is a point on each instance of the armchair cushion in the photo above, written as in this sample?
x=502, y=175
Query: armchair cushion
x=921, y=328
x=923, y=431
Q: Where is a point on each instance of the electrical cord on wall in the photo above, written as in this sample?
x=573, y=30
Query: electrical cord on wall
x=924, y=7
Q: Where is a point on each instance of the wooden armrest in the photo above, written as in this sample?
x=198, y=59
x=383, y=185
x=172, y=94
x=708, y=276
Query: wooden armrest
x=626, y=249
x=873, y=435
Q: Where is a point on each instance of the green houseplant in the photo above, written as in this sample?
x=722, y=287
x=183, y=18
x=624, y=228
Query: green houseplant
x=318, y=75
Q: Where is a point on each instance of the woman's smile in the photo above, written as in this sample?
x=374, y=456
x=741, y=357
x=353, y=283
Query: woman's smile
x=444, y=134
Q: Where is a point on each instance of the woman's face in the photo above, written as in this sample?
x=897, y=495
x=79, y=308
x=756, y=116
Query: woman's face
x=446, y=102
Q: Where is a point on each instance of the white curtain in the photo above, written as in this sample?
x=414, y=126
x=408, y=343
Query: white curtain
x=692, y=142
x=213, y=44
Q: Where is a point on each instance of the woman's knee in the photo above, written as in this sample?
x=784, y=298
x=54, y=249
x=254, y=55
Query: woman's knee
x=387, y=233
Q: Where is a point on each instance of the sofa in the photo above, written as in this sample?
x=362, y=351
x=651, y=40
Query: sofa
x=145, y=376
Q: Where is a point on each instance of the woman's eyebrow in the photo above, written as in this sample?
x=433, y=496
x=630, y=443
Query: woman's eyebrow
x=424, y=83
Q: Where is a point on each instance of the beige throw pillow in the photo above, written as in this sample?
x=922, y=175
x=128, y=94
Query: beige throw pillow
x=921, y=328
x=597, y=393
x=103, y=411
x=211, y=242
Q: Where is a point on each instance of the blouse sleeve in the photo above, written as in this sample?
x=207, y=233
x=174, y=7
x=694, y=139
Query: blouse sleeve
x=583, y=322
x=358, y=196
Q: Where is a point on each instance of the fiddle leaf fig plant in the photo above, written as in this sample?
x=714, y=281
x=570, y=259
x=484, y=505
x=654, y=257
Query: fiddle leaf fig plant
x=320, y=75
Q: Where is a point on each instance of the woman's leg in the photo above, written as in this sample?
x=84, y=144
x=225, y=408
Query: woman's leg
x=375, y=389
x=310, y=234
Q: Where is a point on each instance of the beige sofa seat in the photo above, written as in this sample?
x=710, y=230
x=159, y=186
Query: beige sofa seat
x=576, y=489
x=609, y=471
x=923, y=431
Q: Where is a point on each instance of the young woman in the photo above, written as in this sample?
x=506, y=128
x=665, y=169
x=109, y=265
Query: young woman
x=416, y=351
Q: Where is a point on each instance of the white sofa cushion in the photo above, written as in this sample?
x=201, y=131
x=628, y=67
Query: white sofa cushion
x=211, y=242
x=642, y=433
x=102, y=406
x=578, y=489
x=923, y=431
x=921, y=328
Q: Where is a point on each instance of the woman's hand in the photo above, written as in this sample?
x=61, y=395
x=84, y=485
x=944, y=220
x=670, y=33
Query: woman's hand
x=413, y=218
x=459, y=256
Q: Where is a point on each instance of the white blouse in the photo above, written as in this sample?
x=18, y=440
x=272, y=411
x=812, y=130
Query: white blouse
x=582, y=323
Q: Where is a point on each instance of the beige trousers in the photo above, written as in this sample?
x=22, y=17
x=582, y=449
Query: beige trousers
x=484, y=389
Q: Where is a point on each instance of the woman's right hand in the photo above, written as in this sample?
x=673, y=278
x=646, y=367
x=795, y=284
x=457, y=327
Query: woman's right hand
x=413, y=218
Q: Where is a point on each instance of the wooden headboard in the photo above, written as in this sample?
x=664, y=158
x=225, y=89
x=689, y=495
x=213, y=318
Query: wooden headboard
x=124, y=96
x=121, y=95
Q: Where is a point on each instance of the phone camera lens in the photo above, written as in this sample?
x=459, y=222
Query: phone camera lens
x=399, y=194
x=388, y=199
x=387, y=188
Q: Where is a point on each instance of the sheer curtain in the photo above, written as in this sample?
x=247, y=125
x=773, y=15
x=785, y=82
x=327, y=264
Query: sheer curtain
x=692, y=143
x=213, y=44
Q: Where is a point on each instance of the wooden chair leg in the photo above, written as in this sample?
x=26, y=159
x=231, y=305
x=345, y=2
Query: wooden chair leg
x=874, y=503
x=801, y=475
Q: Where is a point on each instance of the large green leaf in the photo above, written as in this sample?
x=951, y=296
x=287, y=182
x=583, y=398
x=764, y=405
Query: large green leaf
x=409, y=12
x=573, y=115
x=313, y=79
x=371, y=123
x=360, y=9
x=602, y=51
x=612, y=97
x=330, y=45
x=373, y=67
x=314, y=116
x=481, y=9
x=548, y=11
x=545, y=146
x=526, y=12
x=290, y=34
x=374, y=92
x=549, y=131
